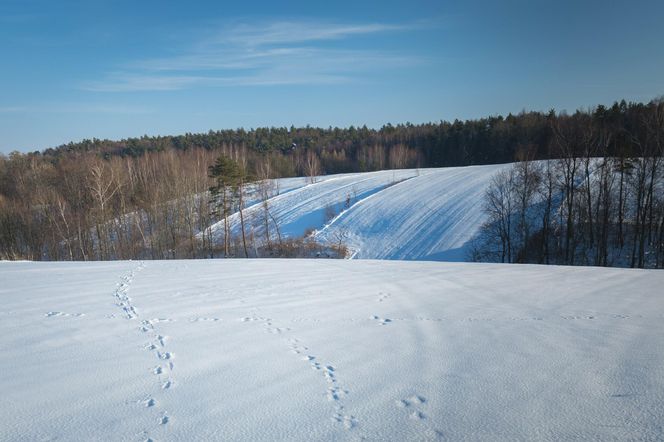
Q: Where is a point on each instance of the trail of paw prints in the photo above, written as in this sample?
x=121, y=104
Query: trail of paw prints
x=335, y=392
x=164, y=369
x=381, y=321
x=204, y=319
x=415, y=408
x=268, y=324
x=63, y=314
x=382, y=297
x=593, y=317
x=123, y=300
x=157, y=344
x=386, y=321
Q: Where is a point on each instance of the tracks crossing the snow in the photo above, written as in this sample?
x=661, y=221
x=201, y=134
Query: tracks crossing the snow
x=157, y=345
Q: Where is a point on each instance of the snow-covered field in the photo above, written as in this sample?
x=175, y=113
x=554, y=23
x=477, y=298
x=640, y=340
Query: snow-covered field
x=425, y=214
x=329, y=350
x=432, y=216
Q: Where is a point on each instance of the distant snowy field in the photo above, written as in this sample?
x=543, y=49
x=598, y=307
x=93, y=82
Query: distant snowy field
x=411, y=214
x=329, y=350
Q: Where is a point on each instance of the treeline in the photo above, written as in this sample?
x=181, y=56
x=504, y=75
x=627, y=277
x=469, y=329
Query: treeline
x=600, y=202
x=490, y=140
x=156, y=206
x=148, y=197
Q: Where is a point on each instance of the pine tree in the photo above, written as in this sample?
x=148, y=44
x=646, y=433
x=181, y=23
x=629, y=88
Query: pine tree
x=230, y=179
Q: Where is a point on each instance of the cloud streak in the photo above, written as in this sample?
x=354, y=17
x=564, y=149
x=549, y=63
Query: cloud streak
x=281, y=53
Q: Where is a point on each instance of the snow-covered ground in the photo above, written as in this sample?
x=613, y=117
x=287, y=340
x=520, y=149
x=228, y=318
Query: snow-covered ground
x=303, y=206
x=432, y=216
x=329, y=350
x=425, y=214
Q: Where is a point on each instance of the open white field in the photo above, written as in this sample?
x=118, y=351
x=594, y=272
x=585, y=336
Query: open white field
x=329, y=350
x=411, y=214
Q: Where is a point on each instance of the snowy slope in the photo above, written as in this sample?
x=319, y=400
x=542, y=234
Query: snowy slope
x=425, y=214
x=329, y=350
x=303, y=208
x=430, y=217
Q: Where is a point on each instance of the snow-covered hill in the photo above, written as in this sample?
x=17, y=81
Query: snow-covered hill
x=306, y=350
x=425, y=214
x=429, y=217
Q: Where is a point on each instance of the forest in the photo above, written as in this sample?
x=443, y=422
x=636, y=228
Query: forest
x=599, y=202
x=148, y=197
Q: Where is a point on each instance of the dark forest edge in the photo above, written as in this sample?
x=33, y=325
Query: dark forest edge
x=599, y=202
x=140, y=197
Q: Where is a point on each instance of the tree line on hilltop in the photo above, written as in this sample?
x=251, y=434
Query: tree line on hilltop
x=149, y=197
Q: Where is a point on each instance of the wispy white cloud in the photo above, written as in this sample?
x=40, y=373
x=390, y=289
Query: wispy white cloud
x=262, y=54
x=300, y=32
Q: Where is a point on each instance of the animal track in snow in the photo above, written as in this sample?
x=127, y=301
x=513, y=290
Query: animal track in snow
x=348, y=421
x=381, y=321
x=383, y=296
x=63, y=314
x=165, y=356
x=417, y=415
x=414, y=407
x=156, y=345
x=419, y=318
x=123, y=300
x=204, y=320
x=335, y=392
x=267, y=324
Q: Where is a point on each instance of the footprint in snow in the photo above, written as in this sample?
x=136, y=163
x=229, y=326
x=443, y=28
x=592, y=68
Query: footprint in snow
x=204, y=319
x=383, y=296
x=348, y=421
x=381, y=321
x=414, y=405
x=63, y=314
x=417, y=415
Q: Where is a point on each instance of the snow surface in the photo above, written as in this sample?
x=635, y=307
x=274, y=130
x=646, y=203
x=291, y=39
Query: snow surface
x=303, y=208
x=329, y=350
x=429, y=217
x=413, y=214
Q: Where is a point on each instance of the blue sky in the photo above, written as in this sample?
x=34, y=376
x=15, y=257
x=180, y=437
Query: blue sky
x=113, y=69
